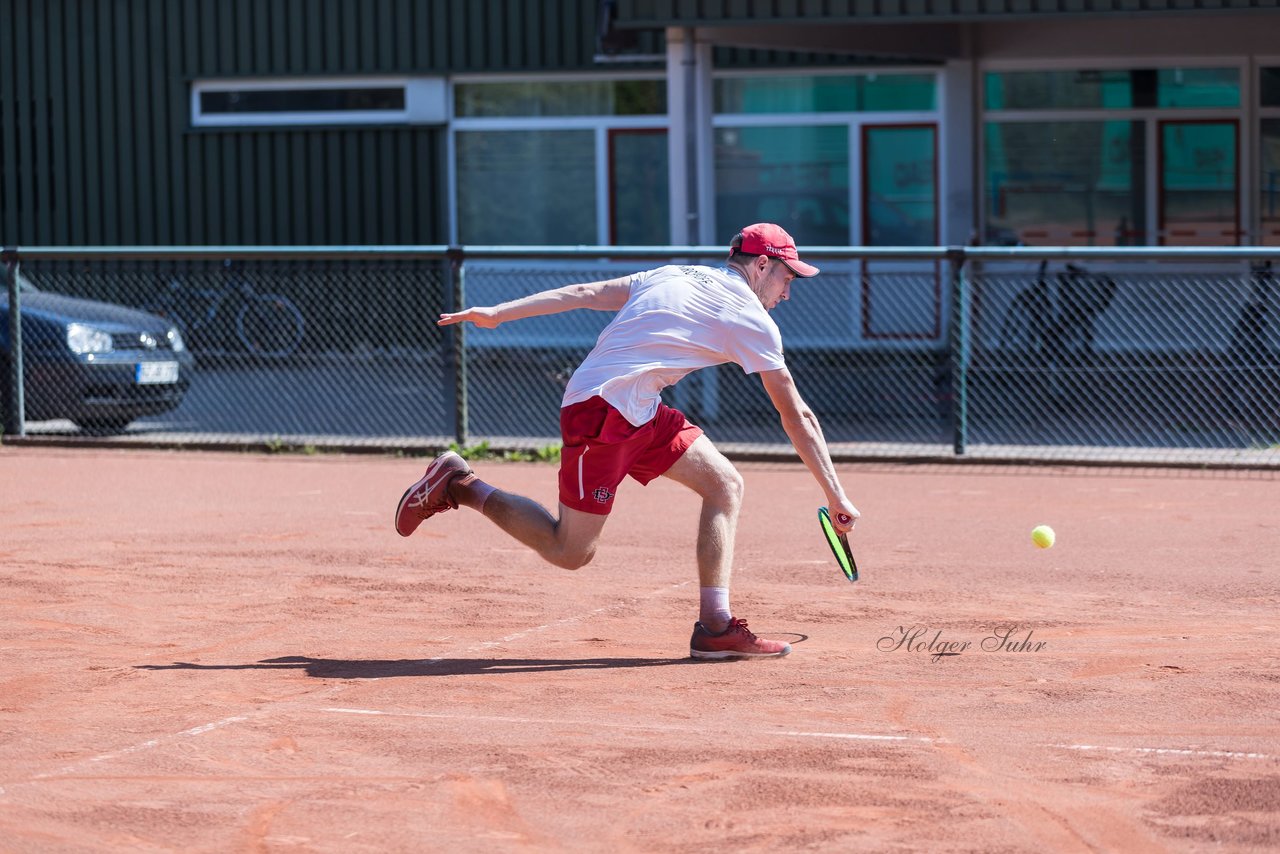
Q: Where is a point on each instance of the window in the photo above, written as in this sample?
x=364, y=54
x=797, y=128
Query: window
x=1113, y=89
x=1198, y=189
x=1055, y=90
x=1071, y=156
x=899, y=189
x=900, y=208
x=370, y=99
x=317, y=101
x=1066, y=183
x=845, y=93
x=1269, y=184
x=797, y=175
x=1187, y=88
x=527, y=187
x=1269, y=157
x=561, y=98
x=784, y=149
x=1269, y=87
x=561, y=161
x=639, y=190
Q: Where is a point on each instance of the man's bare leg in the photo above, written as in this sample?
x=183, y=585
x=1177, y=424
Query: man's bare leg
x=568, y=542
x=709, y=473
x=718, y=634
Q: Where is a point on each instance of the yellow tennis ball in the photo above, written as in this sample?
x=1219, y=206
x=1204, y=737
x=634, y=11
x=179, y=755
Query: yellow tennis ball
x=1042, y=536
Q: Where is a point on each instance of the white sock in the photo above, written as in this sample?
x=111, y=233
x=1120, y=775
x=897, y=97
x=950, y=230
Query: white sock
x=470, y=491
x=713, y=611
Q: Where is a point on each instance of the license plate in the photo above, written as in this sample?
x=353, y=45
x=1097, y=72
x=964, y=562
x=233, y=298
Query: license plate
x=156, y=373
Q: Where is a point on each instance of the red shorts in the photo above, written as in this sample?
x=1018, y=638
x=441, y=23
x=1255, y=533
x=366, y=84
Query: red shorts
x=601, y=448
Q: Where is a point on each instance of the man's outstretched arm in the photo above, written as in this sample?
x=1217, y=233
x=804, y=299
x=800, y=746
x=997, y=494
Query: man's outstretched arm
x=806, y=435
x=608, y=295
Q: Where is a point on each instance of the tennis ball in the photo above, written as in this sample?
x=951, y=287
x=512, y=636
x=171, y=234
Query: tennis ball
x=1042, y=536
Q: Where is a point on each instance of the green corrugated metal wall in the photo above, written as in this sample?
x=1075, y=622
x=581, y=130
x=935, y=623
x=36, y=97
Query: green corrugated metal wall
x=96, y=145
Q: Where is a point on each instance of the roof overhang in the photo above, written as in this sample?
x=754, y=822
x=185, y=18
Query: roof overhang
x=659, y=14
x=937, y=38
x=923, y=40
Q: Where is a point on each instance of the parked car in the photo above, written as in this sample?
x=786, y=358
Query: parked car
x=97, y=364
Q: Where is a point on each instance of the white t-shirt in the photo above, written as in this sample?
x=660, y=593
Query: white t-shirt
x=677, y=319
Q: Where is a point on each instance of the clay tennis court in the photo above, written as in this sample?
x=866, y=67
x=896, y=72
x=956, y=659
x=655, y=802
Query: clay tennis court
x=235, y=652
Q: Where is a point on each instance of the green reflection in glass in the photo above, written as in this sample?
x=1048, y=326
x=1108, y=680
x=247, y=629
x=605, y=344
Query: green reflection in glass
x=526, y=187
x=561, y=98
x=826, y=94
x=795, y=176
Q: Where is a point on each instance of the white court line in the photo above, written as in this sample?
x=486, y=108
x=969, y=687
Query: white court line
x=861, y=737
x=848, y=736
x=146, y=745
x=563, y=621
x=856, y=736
x=335, y=689
x=505, y=719
x=1171, y=751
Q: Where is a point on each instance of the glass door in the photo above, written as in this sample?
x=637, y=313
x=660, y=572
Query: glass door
x=900, y=185
x=903, y=299
x=1269, y=182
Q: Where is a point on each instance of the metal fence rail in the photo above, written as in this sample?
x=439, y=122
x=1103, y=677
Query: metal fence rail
x=1071, y=355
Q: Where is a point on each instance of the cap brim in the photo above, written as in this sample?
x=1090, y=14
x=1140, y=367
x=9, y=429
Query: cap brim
x=801, y=269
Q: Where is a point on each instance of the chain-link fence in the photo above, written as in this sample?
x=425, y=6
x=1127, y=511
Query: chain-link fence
x=1120, y=360
x=1063, y=355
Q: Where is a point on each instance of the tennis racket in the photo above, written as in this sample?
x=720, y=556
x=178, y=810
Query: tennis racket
x=839, y=544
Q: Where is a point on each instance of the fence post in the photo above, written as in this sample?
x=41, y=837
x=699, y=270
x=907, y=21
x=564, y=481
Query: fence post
x=15, y=418
x=959, y=346
x=456, y=300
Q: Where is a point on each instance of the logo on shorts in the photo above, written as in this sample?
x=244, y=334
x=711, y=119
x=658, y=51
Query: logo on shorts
x=602, y=495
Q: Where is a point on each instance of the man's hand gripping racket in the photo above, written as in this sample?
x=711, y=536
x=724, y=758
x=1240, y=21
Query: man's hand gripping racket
x=838, y=539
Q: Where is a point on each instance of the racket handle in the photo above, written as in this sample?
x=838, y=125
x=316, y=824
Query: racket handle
x=844, y=520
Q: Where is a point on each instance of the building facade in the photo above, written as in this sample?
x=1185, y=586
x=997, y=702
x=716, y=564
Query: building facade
x=639, y=122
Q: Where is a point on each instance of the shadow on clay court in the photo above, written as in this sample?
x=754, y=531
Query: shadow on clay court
x=332, y=668
x=327, y=668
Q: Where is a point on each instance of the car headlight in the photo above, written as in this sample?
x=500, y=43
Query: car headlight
x=83, y=339
x=176, y=344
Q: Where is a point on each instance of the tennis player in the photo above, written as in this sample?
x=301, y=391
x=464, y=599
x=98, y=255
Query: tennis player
x=669, y=322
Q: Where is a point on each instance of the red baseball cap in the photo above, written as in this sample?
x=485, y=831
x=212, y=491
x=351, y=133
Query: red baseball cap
x=765, y=238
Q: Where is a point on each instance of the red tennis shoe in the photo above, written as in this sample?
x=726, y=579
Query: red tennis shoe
x=736, y=641
x=430, y=495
